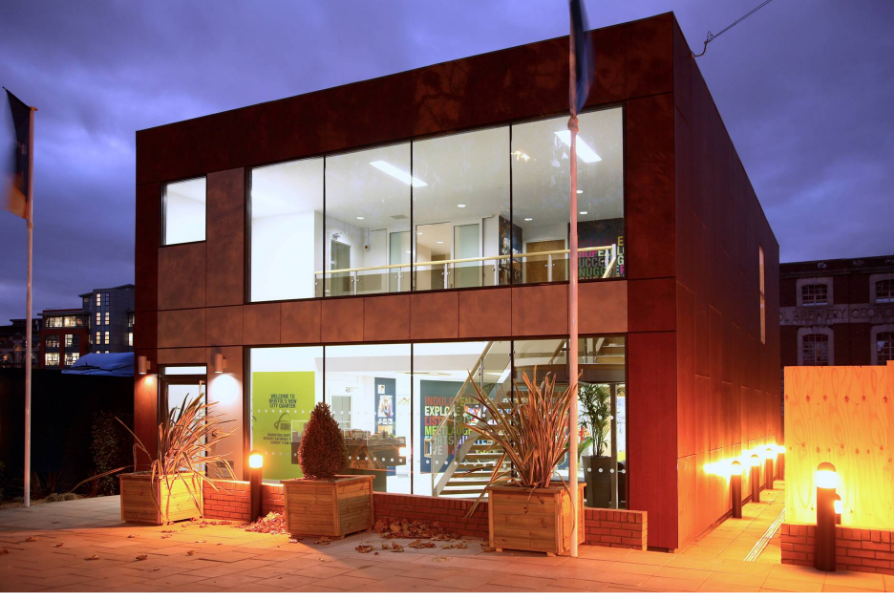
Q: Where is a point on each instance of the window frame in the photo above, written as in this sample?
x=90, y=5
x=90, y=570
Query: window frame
x=810, y=331
x=804, y=282
x=163, y=221
x=873, y=340
x=874, y=281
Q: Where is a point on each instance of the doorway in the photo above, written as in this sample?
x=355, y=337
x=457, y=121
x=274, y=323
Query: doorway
x=538, y=267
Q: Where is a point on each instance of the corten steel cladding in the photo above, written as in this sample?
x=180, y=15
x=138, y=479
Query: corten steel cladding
x=824, y=558
x=755, y=479
x=736, y=490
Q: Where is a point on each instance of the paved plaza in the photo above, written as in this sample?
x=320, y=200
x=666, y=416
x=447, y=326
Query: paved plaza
x=83, y=546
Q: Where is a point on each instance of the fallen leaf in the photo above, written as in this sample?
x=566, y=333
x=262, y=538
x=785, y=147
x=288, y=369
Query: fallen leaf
x=200, y=541
x=441, y=559
x=60, y=544
x=93, y=557
x=375, y=553
x=487, y=548
x=292, y=541
x=3, y=551
x=132, y=536
x=323, y=541
x=386, y=546
x=142, y=557
x=460, y=545
x=190, y=552
x=169, y=531
x=154, y=569
x=33, y=538
x=167, y=535
x=396, y=547
x=364, y=549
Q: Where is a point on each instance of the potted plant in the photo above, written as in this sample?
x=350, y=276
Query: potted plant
x=528, y=508
x=324, y=503
x=171, y=490
x=596, y=400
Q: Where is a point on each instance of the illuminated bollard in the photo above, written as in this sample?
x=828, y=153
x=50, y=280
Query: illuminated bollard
x=255, y=464
x=826, y=482
x=780, y=462
x=736, y=489
x=771, y=477
x=838, y=509
x=755, y=478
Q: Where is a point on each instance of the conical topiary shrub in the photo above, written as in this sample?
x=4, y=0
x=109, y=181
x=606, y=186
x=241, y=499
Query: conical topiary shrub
x=322, y=453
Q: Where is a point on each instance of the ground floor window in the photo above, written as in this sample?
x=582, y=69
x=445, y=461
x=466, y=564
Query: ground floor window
x=404, y=409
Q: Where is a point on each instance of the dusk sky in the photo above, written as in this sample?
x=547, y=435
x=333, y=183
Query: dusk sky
x=806, y=90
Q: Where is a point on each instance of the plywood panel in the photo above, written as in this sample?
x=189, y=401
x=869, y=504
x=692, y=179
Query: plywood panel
x=844, y=415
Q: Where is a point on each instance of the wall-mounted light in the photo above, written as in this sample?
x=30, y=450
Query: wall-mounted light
x=219, y=363
x=143, y=365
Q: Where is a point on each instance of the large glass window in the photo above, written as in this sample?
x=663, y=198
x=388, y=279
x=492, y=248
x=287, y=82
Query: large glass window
x=368, y=388
x=184, y=212
x=461, y=214
x=285, y=385
x=813, y=295
x=540, y=197
x=367, y=243
x=287, y=231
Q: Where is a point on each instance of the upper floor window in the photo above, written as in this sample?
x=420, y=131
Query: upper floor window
x=53, y=322
x=814, y=294
x=884, y=347
x=884, y=290
x=98, y=299
x=183, y=213
x=815, y=350
x=481, y=208
x=71, y=358
x=52, y=341
x=51, y=359
x=69, y=340
x=763, y=295
x=98, y=318
x=107, y=318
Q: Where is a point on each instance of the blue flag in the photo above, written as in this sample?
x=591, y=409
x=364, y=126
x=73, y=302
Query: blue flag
x=584, y=62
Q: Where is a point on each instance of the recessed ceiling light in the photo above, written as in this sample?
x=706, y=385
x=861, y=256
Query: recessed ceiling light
x=580, y=191
x=584, y=152
x=440, y=242
x=359, y=218
x=528, y=219
x=460, y=205
x=418, y=233
x=583, y=212
x=397, y=173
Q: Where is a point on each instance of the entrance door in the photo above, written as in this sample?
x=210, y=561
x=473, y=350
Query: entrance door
x=537, y=267
x=176, y=388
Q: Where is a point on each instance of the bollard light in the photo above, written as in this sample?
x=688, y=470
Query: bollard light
x=771, y=476
x=755, y=478
x=255, y=464
x=780, y=462
x=736, y=489
x=838, y=509
x=826, y=482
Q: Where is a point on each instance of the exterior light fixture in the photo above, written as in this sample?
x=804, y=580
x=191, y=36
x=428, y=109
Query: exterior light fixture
x=826, y=482
x=255, y=463
x=736, y=488
x=584, y=152
x=838, y=507
x=220, y=363
x=755, y=478
x=143, y=365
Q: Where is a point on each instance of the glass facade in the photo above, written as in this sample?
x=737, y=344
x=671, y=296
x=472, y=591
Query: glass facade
x=481, y=208
x=404, y=409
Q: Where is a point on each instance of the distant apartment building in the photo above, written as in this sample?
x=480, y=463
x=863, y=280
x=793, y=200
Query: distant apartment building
x=12, y=343
x=837, y=312
x=103, y=324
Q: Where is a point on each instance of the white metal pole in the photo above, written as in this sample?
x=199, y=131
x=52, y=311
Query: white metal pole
x=572, y=301
x=28, y=311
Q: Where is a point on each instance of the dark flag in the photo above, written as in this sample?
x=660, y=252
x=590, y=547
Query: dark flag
x=584, y=62
x=16, y=200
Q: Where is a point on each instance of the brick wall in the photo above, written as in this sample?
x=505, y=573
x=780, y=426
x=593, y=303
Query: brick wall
x=864, y=550
x=604, y=527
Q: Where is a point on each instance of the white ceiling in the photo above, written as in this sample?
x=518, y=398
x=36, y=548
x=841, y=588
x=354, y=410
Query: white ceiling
x=193, y=189
x=472, y=169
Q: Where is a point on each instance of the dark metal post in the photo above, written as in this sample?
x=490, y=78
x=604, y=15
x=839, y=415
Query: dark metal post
x=826, y=482
x=736, y=489
x=771, y=476
x=755, y=478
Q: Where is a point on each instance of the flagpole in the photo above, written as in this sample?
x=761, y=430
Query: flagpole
x=572, y=300
x=28, y=308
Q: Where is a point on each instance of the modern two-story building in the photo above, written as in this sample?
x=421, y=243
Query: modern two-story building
x=382, y=245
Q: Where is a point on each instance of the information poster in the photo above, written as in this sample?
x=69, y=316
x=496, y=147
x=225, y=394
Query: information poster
x=281, y=403
x=600, y=233
x=437, y=397
x=385, y=391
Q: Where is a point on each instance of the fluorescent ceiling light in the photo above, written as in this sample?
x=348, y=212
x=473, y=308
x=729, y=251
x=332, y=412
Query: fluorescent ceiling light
x=584, y=152
x=460, y=205
x=583, y=212
x=528, y=219
x=397, y=173
x=580, y=191
x=359, y=218
x=440, y=242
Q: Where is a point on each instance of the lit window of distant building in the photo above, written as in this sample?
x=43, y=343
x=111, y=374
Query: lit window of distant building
x=53, y=322
x=107, y=317
x=98, y=318
x=98, y=338
x=69, y=340
x=815, y=350
x=130, y=339
x=98, y=299
x=107, y=336
x=814, y=295
x=107, y=298
x=52, y=341
x=71, y=358
x=51, y=359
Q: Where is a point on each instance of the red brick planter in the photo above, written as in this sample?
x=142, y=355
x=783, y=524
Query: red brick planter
x=863, y=550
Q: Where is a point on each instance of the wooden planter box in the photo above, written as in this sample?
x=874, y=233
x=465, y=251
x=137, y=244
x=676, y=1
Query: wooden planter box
x=138, y=505
x=331, y=508
x=538, y=522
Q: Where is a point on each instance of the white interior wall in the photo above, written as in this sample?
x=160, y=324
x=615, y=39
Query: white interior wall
x=281, y=248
